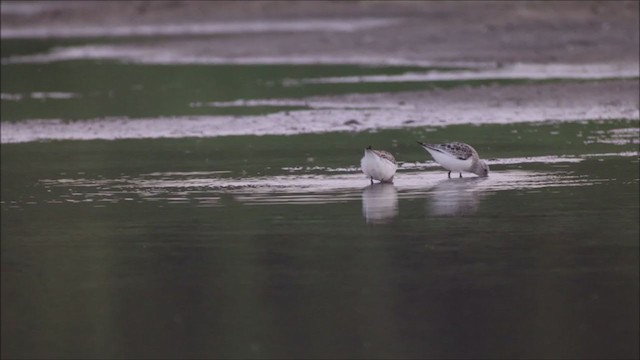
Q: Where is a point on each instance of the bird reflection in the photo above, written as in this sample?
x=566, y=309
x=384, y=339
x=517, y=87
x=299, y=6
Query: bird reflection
x=379, y=203
x=455, y=197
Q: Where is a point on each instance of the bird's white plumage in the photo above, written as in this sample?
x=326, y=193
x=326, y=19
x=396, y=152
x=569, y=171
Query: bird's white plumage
x=451, y=162
x=377, y=167
x=458, y=157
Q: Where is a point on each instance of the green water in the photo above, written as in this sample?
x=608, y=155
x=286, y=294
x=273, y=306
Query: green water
x=277, y=247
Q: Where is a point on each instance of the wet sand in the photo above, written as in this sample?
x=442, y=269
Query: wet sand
x=549, y=40
x=459, y=31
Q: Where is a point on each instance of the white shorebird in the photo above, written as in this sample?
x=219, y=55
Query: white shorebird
x=378, y=165
x=457, y=157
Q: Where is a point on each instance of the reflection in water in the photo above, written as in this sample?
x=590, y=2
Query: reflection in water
x=229, y=274
x=449, y=197
x=379, y=203
x=455, y=197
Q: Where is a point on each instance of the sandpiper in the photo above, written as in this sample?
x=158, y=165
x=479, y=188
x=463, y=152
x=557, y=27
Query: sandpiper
x=378, y=165
x=457, y=157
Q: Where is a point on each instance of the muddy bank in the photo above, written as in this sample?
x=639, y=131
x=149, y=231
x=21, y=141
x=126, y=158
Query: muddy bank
x=561, y=43
x=552, y=102
x=618, y=98
x=545, y=32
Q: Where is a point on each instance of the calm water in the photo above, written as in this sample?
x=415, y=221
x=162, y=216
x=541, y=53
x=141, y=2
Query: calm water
x=277, y=246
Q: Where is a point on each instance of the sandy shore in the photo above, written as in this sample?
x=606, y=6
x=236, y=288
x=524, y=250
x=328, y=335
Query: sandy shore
x=459, y=31
x=554, y=102
x=519, y=40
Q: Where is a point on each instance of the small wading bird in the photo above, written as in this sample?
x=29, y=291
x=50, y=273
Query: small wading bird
x=378, y=165
x=457, y=157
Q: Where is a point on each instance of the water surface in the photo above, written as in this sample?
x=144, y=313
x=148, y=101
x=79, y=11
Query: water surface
x=174, y=244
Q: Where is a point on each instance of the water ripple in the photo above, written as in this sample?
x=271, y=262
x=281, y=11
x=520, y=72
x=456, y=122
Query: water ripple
x=208, y=189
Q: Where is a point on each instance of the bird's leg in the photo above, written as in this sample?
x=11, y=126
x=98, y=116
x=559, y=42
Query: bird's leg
x=372, y=180
x=449, y=174
x=460, y=174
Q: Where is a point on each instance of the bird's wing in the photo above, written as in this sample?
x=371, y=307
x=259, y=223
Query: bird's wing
x=385, y=155
x=460, y=150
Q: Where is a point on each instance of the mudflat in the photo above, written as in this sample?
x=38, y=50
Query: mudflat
x=457, y=31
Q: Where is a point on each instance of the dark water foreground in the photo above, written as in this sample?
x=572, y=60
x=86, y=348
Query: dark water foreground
x=150, y=235
x=277, y=247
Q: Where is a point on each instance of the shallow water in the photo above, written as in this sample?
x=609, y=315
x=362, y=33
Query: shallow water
x=153, y=253
x=170, y=244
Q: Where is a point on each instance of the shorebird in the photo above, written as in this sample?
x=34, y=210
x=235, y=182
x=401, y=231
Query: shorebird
x=378, y=165
x=457, y=157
